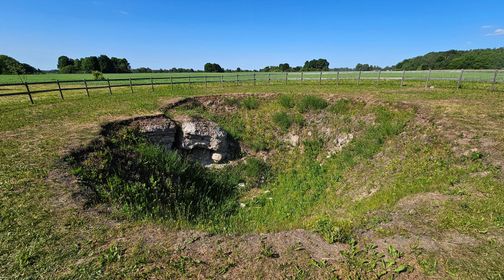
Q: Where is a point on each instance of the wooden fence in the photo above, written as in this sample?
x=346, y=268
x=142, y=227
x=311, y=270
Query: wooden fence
x=492, y=77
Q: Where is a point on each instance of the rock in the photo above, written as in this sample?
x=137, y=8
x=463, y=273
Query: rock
x=158, y=130
x=342, y=140
x=293, y=140
x=216, y=157
x=198, y=133
x=206, y=142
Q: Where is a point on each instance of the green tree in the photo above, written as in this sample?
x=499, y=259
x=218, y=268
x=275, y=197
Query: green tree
x=284, y=67
x=320, y=64
x=9, y=65
x=106, y=64
x=90, y=64
x=64, y=61
x=213, y=67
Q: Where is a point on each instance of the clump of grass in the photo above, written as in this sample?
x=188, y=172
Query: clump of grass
x=282, y=120
x=341, y=106
x=298, y=119
x=250, y=103
x=253, y=172
x=334, y=232
x=286, y=101
x=311, y=102
x=230, y=101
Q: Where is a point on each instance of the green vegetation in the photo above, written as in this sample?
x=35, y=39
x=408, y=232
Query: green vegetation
x=147, y=180
x=250, y=103
x=453, y=59
x=320, y=64
x=213, y=67
x=310, y=102
x=89, y=64
x=9, y=65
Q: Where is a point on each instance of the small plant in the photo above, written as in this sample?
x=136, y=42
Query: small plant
x=393, y=252
x=283, y=120
x=286, y=101
x=429, y=265
x=341, y=106
x=112, y=254
x=97, y=76
x=229, y=101
x=332, y=233
x=311, y=102
x=476, y=156
x=250, y=103
x=298, y=119
x=267, y=251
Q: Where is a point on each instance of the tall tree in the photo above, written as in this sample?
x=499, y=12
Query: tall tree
x=213, y=67
x=89, y=64
x=320, y=64
x=106, y=65
x=64, y=61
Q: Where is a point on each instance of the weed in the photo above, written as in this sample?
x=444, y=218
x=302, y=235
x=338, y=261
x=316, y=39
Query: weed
x=339, y=232
x=282, y=120
x=476, y=156
x=429, y=265
x=311, y=102
x=268, y=251
x=341, y=106
x=286, y=101
x=250, y=103
x=112, y=254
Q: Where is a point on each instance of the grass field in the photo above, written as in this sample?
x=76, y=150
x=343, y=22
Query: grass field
x=416, y=193
x=469, y=75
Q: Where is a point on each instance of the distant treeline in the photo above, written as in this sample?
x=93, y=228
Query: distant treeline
x=9, y=65
x=89, y=64
x=453, y=59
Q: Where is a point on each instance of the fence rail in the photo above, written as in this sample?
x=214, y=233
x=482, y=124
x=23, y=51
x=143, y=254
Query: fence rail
x=491, y=77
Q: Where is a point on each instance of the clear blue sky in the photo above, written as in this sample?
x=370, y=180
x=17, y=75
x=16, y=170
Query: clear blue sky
x=246, y=34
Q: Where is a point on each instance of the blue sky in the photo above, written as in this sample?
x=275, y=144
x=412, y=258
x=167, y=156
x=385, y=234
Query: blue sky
x=246, y=34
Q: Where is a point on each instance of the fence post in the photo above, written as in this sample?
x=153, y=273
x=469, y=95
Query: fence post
x=269, y=78
x=29, y=92
x=494, y=82
x=237, y=78
x=402, y=79
x=152, y=84
x=109, y=87
x=171, y=82
x=359, y=77
x=85, y=86
x=459, y=82
x=302, y=77
x=222, y=80
x=131, y=85
x=379, y=76
x=254, y=79
x=206, y=82
x=428, y=79
x=337, y=78
x=60, y=91
x=286, y=77
x=320, y=78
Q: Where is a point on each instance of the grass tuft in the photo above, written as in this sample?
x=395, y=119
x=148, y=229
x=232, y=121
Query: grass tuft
x=311, y=102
